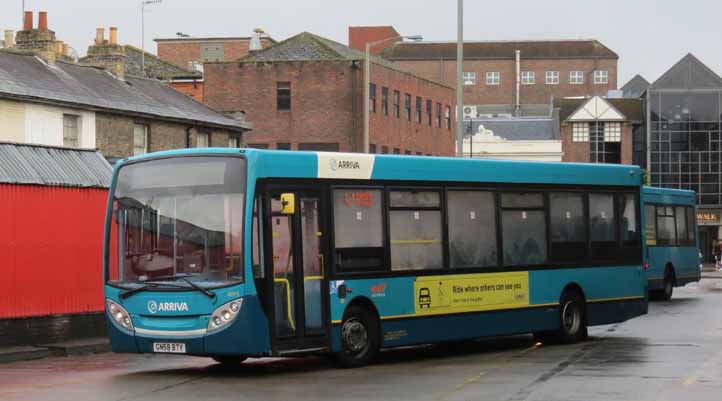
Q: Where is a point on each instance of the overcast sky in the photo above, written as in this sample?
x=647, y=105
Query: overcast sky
x=648, y=35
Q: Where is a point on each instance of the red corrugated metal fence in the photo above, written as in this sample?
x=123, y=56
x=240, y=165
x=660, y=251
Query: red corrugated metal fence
x=51, y=249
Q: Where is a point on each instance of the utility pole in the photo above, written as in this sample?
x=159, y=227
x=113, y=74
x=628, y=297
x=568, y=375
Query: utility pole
x=459, y=80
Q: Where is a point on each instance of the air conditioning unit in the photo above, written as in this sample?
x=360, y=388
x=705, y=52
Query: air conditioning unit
x=469, y=112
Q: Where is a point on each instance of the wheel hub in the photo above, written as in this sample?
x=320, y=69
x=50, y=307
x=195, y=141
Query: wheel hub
x=354, y=335
x=571, y=318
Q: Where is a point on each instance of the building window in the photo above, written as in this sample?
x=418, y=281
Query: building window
x=407, y=106
x=612, y=132
x=372, y=148
x=576, y=77
x=415, y=230
x=140, y=139
x=397, y=106
x=438, y=115
x=202, y=140
x=580, y=132
x=605, y=143
x=212, y=51
x=429, y=111
x=601, y=77
x=528, y=78
x=283, y=96
x=469, y=78
x=493, y=78
x=419, y=105
x=447, y=117
x=407, y=152
x=397, y=151
x=385, y=150
x=385, y=100
x=71, y=131
x=234, y=141
x=552, y=77
x=372, y=98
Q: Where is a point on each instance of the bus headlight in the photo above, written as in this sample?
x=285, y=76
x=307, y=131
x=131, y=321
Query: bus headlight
x=119, y=314
x=224, y=314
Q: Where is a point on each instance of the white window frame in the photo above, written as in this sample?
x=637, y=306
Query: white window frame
x=580, y=132
x=469, y=78
x=202, y=139
x=140, y=148
x=601, y=77
x=612, y=131
x=552, y=78
x=493, y=78
x=234, y=141
x=576, y=77
x=68, y=141
x=528, y=78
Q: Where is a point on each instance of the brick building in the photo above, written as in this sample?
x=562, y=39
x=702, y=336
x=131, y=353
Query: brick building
x=546, y=69
x=358, y=36
x=47, y=101
x=599, y=130
x=307, y=93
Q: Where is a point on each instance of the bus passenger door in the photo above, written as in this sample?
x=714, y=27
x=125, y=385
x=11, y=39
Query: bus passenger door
x=298, y=271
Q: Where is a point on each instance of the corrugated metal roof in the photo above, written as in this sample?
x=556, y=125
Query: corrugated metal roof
x=53, y=166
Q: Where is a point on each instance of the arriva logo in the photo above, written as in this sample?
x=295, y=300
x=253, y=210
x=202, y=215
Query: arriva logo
x=154, y=307
x=343, y=165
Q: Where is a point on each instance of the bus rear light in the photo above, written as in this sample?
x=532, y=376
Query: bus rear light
x=646, y=265
x=224, y=315
x=119, y=315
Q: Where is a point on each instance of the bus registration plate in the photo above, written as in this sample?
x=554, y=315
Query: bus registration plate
x=173, y=348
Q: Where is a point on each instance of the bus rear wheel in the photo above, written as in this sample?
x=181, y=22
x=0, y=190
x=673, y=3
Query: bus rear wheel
x=572, y=321
x=666, y=293
x=359, y=337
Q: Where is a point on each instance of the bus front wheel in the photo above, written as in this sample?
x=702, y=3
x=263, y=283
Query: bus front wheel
x=229, y=360
x=359, y=337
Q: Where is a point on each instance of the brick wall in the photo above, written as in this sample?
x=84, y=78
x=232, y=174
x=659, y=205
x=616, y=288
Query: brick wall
x=358, y=36
x=504, y=93
x=326, y=105
x=114, y=135
x=182, y=52
x=193, y=89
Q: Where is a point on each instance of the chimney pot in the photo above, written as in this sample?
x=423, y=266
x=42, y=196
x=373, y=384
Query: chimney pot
x=28, y=21
x=43, y=20
x=99, y=36
x=113, y=35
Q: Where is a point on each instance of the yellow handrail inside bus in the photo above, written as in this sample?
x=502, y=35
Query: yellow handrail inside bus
x=288, y=299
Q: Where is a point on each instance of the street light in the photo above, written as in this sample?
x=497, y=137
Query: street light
x=367, y=82
x=142, y=30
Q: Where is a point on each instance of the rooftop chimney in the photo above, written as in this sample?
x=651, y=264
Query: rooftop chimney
x=43, y=20
x=28, y=21
x=107, y=54
x=255, y=44
x=99, y=36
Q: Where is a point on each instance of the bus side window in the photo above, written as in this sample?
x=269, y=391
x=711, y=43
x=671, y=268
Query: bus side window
x=650, y=219
x=691, y=239
x=665, y=226
x=358, y=229
x=472, y=229
x=568, y=227
x=415, y=230
x=680, y=215
x=523, y=227
x=603, y=227
x=256, y=242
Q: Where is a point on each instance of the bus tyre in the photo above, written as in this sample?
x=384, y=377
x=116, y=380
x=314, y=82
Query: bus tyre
x=229, y=360
x=359, y=337
x=666, y=293
x=573, y=320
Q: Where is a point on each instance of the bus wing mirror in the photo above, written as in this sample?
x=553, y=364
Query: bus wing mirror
x=288, y=203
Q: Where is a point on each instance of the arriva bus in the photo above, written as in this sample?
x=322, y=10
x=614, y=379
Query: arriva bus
x=672, y=254
x=231, y=253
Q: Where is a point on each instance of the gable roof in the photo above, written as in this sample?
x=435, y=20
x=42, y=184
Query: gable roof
x=596, y=108
x=542, y=49
x=688, y=73
x=635, y=87
x=26, y=77
x=304, y=46
x=53, y=166
x=630, y=108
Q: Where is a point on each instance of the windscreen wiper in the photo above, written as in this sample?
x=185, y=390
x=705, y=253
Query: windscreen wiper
x=155, y=284
x=126, y=294
x=210, y=294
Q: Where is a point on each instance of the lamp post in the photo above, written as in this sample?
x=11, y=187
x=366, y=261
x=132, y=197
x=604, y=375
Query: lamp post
x=459, y=80
x=142, y=30
x=367, y=83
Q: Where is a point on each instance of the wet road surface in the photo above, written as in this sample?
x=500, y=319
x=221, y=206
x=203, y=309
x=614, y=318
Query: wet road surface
x=673, y=353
